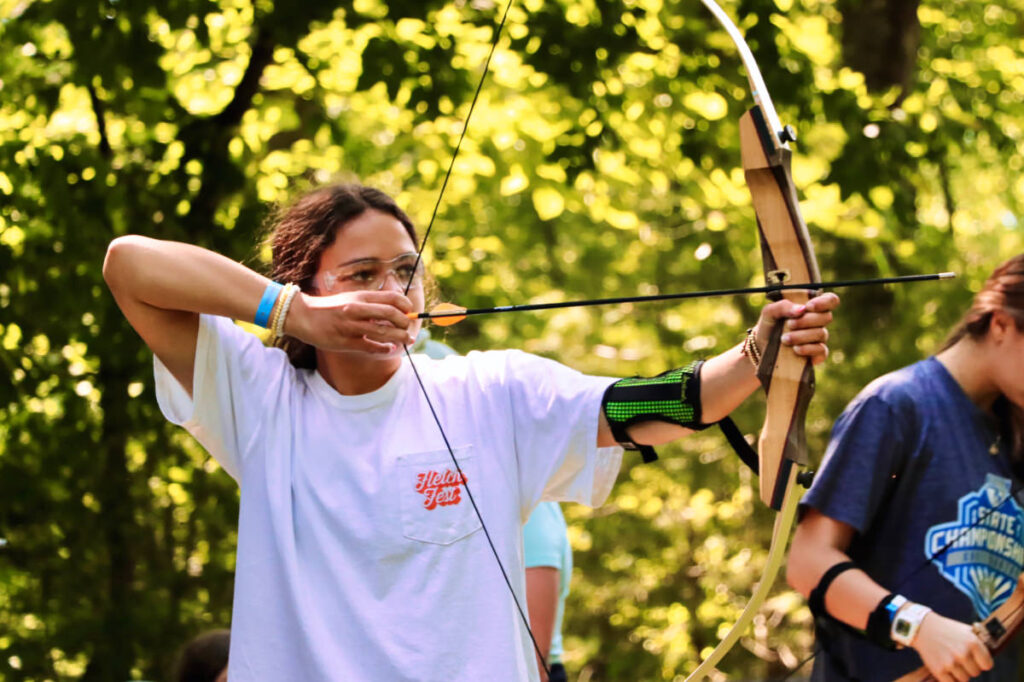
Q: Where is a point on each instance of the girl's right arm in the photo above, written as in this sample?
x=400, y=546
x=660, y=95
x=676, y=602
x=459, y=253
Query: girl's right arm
x=949, y=648
x=163, y=286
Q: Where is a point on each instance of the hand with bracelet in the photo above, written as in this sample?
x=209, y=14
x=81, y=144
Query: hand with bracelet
x=950, y=649
x=842, y=594
x=804, y=330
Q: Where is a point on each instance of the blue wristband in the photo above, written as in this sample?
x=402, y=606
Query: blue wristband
x=266, y=306
x=895, y=605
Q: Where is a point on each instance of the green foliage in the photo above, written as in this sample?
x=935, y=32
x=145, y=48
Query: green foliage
x=602, y=160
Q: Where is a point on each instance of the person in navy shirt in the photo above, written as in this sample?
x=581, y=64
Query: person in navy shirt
x=914, y=526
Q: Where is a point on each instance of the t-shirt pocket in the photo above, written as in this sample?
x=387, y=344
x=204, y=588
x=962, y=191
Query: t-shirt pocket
x=435, y=505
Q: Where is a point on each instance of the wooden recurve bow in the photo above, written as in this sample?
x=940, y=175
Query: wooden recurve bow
x=787, y=378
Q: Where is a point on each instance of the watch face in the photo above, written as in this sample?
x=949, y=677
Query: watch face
x=902, y=628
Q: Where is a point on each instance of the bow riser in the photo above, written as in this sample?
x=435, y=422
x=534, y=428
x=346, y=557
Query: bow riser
x=999, y=628
x=787, y=378
x=788, y=381
x=785, y=242
x=783, y=442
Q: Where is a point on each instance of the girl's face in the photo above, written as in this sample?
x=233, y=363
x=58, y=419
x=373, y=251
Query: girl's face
x=372, y=252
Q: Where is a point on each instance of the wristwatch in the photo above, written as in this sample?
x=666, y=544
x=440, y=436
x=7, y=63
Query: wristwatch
x=907, y=622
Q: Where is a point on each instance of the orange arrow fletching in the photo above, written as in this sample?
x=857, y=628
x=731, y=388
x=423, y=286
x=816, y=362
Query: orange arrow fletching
x=445, y=314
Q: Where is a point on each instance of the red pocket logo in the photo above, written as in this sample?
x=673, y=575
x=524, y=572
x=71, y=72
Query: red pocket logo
x=440, y=487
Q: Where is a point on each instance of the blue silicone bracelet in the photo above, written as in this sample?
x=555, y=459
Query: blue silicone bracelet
x=895, y=605
x=267, y=303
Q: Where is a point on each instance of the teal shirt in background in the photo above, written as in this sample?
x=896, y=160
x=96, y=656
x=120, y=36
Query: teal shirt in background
x=546, y=543
x=545, y=535
x=432, y=349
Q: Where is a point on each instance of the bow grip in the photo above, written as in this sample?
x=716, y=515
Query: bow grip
x=788, y=381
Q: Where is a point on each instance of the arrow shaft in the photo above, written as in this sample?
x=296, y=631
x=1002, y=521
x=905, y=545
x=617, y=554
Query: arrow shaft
x=690, y=294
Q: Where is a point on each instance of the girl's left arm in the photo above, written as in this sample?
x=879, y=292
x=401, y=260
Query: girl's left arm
x=730, y=377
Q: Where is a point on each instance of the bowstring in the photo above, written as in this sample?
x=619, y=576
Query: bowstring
x=458, y=145
x=408, y=354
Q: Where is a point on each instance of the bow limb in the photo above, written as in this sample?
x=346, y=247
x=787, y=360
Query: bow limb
x=758, y=90
x=996, y=631
x=787, y=378
x=776, y=555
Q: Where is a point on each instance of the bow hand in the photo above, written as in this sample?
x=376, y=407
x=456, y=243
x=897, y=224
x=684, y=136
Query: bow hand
x=802, y=327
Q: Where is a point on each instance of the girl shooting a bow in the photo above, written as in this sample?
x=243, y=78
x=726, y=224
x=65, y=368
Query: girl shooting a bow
x=359, y=556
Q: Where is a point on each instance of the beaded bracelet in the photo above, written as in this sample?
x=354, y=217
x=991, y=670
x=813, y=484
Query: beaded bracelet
x=291, y=290
x=750, y=348
x=276, y=313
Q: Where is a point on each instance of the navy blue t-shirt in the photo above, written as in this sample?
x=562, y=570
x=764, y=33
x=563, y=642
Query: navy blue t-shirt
x=911, y=467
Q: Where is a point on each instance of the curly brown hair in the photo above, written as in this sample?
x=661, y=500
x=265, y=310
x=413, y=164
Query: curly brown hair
x=303, y=230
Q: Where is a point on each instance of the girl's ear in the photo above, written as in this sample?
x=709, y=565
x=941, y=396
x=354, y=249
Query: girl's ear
x=1000, y=325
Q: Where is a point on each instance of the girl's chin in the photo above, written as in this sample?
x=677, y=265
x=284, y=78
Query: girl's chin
x=394, y=351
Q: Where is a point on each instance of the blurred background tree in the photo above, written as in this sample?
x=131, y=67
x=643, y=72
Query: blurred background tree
x=602, y=160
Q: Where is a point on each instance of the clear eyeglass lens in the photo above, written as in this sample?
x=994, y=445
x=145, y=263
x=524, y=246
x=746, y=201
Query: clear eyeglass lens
x=371, y=275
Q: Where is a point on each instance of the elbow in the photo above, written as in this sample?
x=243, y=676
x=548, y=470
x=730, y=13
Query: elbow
x=792, y=575
x=800, y=565
x=116, y=263
x=794, y=566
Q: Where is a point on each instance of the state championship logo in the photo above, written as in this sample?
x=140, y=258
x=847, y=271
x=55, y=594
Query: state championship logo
x=982, y=552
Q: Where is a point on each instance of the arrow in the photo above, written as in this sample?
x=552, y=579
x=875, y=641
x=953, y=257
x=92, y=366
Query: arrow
x=447, y=314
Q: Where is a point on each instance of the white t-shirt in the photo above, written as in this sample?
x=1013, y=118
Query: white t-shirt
x=359, y=554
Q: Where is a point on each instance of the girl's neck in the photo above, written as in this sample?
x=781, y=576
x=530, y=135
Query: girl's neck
x=356, y=373
x=969, y=364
